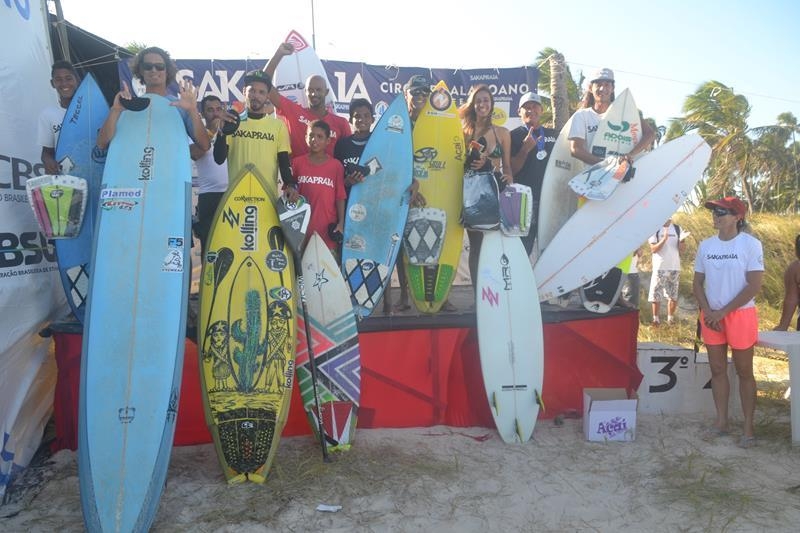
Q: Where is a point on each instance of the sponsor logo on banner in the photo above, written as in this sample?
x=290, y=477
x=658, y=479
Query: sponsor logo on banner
x=27, y=248
x=146, y=164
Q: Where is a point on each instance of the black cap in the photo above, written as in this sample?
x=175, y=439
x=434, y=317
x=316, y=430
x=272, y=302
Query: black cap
x=257, y=75
x=417, y=81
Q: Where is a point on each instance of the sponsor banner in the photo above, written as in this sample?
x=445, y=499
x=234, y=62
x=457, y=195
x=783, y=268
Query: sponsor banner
x=379, y=84
x=30, y=288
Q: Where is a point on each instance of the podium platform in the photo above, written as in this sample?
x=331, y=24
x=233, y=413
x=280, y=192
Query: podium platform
x=417, y=371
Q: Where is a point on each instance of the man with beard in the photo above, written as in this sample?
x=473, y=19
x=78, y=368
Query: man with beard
x=154, y=68
x=299, y=118
x=261, y=139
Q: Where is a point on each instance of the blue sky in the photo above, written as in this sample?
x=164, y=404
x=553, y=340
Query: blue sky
x=661, y=50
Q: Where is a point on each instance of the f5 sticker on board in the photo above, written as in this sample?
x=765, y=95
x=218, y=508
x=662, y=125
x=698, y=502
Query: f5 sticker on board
x=173, y=261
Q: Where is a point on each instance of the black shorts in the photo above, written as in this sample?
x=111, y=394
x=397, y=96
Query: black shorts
x=206, y=208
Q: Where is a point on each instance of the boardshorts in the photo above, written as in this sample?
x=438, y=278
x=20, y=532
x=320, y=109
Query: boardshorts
x=739, y=329
x=664, y=284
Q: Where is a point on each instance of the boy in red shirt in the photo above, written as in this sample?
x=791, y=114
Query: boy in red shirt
x=320, y=179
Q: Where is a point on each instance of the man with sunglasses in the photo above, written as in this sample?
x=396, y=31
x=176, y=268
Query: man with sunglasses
x=728, y=274
x=154, y=68
x=299, y=118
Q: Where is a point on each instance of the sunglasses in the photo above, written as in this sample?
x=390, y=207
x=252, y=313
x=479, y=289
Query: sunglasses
x=721, y=212
x=161, y=67
x=419, y=92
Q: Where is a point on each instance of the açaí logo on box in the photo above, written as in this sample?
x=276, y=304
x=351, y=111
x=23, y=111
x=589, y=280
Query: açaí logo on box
x=120, y=199
x=612, y=428
x=249, y=229
x=146, y=164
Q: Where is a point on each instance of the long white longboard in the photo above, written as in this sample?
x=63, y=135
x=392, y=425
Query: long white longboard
x=600, y=233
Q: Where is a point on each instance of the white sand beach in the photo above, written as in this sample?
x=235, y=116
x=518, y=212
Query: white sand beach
x=455, y=479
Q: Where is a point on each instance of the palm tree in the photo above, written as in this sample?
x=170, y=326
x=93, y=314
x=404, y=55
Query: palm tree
x=776, y=151
x=720, y=117
x=544, y=85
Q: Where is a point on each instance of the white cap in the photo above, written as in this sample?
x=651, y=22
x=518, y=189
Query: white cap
x=529, y=97
x=602, y=74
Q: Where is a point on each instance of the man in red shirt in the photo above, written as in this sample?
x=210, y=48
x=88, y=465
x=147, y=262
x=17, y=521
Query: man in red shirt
x=299, y=118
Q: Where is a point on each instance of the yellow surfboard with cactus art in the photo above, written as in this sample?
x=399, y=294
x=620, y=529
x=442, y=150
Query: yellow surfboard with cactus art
x=439, y=154
x=246, y=333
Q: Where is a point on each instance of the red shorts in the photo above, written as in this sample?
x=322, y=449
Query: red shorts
x=739, y=329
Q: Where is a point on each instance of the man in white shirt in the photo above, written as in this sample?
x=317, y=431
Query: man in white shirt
x=212, y=176
x=64, y=79
x=665, y=246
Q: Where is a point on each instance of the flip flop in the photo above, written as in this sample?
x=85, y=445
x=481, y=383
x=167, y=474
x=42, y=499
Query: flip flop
x=714, y=432
x=747, y=442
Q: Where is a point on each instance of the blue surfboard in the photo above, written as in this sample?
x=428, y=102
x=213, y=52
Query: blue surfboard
x=135, y=320
x=377, y=209
x=78, y=156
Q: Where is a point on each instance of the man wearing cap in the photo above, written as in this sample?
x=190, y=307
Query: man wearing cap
x=261, y=139
x=595, y=103
x=416, y=92
x=531, y=145
x=299, y=118
x=728, y=273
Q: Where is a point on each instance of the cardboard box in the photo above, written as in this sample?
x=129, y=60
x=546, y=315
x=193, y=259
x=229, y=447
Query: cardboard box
x=609, y=415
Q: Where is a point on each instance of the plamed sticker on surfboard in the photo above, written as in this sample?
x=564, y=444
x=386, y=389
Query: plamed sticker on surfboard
x=78, y=155
x=333, y=328
x=510, y=336
x=134, y=335
x=247, y=329
x=293, y=71
x=438, y=144
x=599, y=233
x=377, y=209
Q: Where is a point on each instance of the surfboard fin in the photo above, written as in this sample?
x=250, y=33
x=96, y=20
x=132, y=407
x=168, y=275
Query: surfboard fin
x=494, y=404
x=539, y=400
x=518, y=430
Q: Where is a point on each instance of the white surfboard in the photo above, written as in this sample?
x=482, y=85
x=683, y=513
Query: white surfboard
x=509, y=335
x=294, y=70
x=599, y=234
x=557, y=201
x=618, y=131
